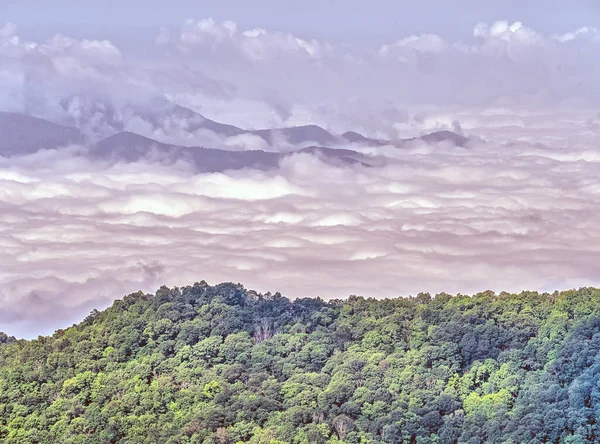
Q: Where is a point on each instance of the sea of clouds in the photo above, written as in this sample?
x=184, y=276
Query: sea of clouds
x=518, y=208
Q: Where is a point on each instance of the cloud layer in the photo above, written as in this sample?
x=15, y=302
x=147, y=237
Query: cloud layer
x=516, y=210
x=505, y=215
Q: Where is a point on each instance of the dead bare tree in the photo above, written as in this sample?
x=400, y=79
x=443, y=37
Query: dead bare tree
x=342, y=425
x=263, y=330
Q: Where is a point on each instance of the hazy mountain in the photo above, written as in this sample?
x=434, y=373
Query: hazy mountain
x=431, y=138
x=22, y=134
x=131, y=147
x=297, y=135
x=192, y=121
x=196, y=121
x=444, y=136
x=300, y=135
x=99, y=119
x=343, y=156
x=354, y=137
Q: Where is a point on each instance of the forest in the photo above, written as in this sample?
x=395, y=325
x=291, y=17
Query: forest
x=226, y=365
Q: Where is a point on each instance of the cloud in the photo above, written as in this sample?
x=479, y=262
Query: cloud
x=259, y=78
x=502, y=30
x=507, y=214
x=513, y=210
x=585, y=32
x=423, y=43
x=255, y=44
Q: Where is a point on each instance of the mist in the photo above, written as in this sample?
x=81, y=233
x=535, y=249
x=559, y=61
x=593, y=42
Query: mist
x=516, y=208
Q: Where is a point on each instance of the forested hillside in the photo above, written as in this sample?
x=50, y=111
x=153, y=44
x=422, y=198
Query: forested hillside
x=222, y=364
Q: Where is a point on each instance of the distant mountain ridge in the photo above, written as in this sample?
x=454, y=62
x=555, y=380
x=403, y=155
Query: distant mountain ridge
x=308, y=134
x=22, y=134
x=298, y=135
x=131, y=147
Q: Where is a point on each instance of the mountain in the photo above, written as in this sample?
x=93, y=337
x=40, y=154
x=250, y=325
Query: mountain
x=101, y=118
x=343, y=156
x=22, y=134
x=132, y=147
x=313, y=134
x=197, y=122
x=222, y=364
x=354, y=137
x=431, y=138
x=161, y=111
x=297, y=135
x=193, y=121
x=443, y=136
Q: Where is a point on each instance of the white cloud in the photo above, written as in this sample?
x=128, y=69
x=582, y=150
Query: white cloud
x=503, y=30
x=255, y=44
x=582, y=33
x=425, y=43
x=505, y=215
x=516, y=212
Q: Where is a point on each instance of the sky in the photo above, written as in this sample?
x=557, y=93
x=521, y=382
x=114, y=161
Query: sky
x=514, y=209
x=348, y=20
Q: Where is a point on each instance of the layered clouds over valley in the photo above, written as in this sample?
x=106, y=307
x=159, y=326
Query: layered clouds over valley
x=470, y=165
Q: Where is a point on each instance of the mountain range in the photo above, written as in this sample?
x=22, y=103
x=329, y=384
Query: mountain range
x=131, y=147
x=22, y=134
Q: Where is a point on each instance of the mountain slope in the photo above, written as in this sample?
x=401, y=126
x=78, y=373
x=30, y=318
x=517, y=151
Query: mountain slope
x=444, y=136
x=431, y=138
x=297, y=135
x=354, y=137
x=222, y=364
x=21, y=134
x=197, y=121
x=131, y=147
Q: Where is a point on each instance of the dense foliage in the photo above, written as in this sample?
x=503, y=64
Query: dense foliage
x=221, y=365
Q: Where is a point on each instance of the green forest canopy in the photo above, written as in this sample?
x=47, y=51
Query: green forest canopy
x=222, y=364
